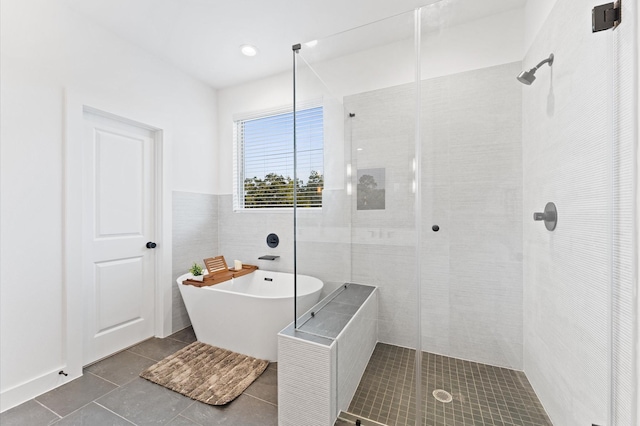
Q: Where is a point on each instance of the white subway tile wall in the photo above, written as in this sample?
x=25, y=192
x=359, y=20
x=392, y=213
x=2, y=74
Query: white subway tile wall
x=195, y=237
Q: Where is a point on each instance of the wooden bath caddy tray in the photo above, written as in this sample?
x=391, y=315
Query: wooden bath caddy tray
x=246, y=269
x=219, y=272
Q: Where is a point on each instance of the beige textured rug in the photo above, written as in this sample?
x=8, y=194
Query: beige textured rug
x=205, y=373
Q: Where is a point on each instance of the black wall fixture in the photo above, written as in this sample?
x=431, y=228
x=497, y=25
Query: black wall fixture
x=273, y=240
x=606, y=16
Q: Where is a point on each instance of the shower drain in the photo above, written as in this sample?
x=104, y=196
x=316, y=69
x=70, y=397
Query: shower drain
x=442, y=395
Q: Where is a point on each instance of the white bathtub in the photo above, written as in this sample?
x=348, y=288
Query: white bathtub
x=245, y=314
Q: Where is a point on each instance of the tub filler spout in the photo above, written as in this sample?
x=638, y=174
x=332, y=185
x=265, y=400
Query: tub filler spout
x=268, y=257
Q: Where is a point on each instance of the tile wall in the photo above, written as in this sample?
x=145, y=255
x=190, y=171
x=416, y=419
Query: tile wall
x=575, y=154
x=567, y=147
x=471, y=188
x=195, y=237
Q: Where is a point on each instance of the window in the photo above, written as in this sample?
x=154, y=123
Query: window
x=264, y=160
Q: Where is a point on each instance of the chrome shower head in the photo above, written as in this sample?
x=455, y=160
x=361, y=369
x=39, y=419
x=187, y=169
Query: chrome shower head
x=528, y=77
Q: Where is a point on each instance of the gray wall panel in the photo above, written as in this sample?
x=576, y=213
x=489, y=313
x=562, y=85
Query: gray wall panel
x=195, y=237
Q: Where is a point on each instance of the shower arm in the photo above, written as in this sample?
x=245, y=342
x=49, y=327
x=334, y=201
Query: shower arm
x=544, y=61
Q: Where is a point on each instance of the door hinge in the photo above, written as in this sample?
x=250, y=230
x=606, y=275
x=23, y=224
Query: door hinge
x=606, y=16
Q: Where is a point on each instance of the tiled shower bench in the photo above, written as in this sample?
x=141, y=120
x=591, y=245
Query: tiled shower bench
x=320, y=363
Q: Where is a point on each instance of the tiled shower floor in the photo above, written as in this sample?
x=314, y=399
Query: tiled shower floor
x=482, y=394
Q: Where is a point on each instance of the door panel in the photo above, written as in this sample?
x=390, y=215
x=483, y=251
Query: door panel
x=119, y=282
x=119, y=292
x=119, y=184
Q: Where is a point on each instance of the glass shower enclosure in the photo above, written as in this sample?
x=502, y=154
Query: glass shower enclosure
x=435, y=160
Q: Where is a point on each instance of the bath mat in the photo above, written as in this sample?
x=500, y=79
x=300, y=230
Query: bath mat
x=206, y=373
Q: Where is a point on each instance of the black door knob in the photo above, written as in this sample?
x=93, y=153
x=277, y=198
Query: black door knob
x=435, y=228
x=151, y=245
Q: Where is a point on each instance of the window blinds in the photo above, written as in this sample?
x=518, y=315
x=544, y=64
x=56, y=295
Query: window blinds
x=265, y=160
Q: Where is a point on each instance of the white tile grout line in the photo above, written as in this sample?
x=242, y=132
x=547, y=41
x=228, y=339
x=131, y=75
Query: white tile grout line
x=94, y=400
x=102, y=378
x=185, y=417
x=48, y=409
x=178, y=340
x=144, y=356
x=124, y=418
x=259, y=399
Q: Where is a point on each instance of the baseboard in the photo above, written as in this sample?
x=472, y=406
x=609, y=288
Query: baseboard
x=23, y=392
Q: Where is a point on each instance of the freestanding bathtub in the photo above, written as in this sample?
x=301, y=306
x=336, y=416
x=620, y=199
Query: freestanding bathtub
x=245, y=314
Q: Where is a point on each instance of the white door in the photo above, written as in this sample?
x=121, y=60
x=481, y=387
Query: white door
x=118, y=222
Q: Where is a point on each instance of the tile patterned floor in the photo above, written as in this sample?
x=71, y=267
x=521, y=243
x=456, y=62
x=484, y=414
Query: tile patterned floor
x=111, y=393
x=482, y=394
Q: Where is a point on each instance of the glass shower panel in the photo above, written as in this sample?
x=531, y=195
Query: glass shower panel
x=364, y=236
x=338, y=71
x=471, y=192
x=515, y=317
x=322, y=213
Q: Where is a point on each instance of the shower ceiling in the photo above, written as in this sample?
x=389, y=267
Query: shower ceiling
x=203, y=37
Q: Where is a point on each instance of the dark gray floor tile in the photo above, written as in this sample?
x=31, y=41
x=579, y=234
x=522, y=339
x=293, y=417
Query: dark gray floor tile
x=93, y=414
x=244, y=410
x=69, y=397
x=349, y=419
x=482, y=394
x=182, y=421
x=186, y=335
x=266, y=386
x=121, y=368
x=157, y=349
x=145, y=403
x=30, y=413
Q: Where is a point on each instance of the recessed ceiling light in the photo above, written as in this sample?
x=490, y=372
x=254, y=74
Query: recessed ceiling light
x=249, y=50
x=311, y=43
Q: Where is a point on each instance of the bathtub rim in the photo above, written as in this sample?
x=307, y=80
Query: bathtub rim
x=183, y=277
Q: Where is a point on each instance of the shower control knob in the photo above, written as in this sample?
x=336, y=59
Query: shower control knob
x=549, y=216
x=435, y=228
x=151, y=245
x=273, y=240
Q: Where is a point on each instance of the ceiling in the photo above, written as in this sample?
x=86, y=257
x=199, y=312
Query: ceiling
x=202, y=37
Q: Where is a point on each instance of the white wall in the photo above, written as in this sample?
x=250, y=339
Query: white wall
x=536, y=12
x=47, y=50
x=478, y=44
x=271, y=92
